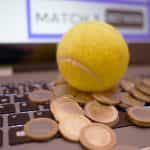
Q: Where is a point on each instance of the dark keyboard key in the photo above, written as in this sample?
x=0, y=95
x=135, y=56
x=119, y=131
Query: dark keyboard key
x=1, y=121
x=6, y=91
x=4, y=99
x=147, y=104
x=1, y=138
x=44, y=86
x=21, y=98
x=7, y=109
x=18, y=119
x=17, y=136
x=43, y=114
x=46, y=106
x=27, y=106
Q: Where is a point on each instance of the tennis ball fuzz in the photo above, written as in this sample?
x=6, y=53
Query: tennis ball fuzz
x=92, y=56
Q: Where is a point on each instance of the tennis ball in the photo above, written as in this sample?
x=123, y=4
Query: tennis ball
x=92, y=56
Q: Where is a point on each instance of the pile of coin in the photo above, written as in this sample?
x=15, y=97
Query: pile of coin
x=136, y=95
x=89, y=117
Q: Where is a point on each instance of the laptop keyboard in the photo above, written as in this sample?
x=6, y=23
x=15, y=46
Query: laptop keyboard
x=16, y=110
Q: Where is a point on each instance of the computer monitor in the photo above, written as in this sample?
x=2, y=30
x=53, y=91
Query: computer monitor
x=36, y=21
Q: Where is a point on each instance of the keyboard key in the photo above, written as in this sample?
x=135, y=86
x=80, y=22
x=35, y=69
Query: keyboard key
x=18, y=119
x=27, y=106
x=20, y=98
x=1, y=138
x=17, y=136
x=46, y=106
x=1, y=121
x=44, y=86
x=4, y=99
x=43, y=114
x=147, y=104
x=6, y=91
x=7, y=109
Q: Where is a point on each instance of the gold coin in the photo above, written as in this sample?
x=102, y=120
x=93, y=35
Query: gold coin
x=70, y=127
x=146, y=82
x=40, y=96
x=140, y=116
x=139, y=95
x=63, y=89
x=41, y=129
x=105, y=100
x=109, y=93
x=141, y=87
x=127, y=85
x=128, y=101
x=64, y=106
x=102, y=113
x=83, y=98
x=59, y=80
x=97, y=136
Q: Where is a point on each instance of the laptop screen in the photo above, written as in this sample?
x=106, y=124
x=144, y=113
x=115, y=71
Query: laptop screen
x=36, y=21
x=31, y=29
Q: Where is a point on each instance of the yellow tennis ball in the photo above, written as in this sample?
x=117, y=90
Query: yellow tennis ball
x=92, y=56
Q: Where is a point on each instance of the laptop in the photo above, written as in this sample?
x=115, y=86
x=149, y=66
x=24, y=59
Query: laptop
x=30, y=31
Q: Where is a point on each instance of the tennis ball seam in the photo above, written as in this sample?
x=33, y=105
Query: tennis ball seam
x=83, y=67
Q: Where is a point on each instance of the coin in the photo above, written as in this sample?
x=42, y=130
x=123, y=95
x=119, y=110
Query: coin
x=70, y=127
x=59, y=80
x=146, y=82
x=97, y=136
x=139, y=95
x=109, y=93
x=141, y=87
x=127, y=85
x=140, y=116
x=41, y=129
x=128, y=101
x=83, y=98
x=64, y=89
x=40, y=96
x=64, y=106
x=102, y=113
x=105, y=100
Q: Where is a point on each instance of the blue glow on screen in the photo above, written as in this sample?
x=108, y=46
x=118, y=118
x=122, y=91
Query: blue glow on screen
x=129, y=37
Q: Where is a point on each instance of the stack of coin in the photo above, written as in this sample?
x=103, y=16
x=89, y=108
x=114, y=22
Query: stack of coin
x=139, y=116
x=139, y=89
x=83, y=98
x=63, y=89
x=41, y=129
x=102, y=113
x=143, y=88
x=98, y=137
x=40, y=96
x=59, y=80
x=73, y=123
x=71, y=126
x=127, y=85
x=91, y=125
x=108, y=100
x=126, y=100
x=64, y=106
